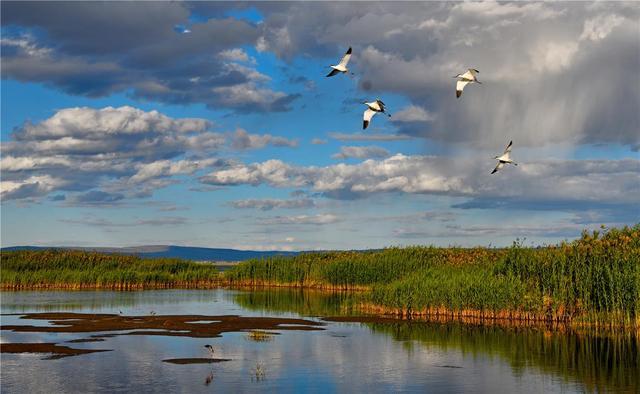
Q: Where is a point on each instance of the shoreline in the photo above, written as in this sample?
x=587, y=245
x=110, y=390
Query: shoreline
x=366, y=311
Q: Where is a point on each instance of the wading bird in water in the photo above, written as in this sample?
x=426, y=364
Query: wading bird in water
x=504, y=159
x=210, y=349
x=342, y=66
x=372, y=108
x=465, y=79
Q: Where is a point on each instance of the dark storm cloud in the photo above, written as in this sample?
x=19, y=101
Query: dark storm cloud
x=98, y=48
x=552, y=72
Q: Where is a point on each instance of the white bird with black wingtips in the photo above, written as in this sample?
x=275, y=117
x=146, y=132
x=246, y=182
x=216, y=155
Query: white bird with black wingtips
x=464, y=79
x=504, y=159
x=342, y=66
x=373, y=108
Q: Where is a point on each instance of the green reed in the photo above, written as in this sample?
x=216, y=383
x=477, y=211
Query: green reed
x=594, y=279
x=70, y=268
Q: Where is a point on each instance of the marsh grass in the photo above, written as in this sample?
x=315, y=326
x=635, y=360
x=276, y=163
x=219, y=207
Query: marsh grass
x=70, y=269
x=592, y=280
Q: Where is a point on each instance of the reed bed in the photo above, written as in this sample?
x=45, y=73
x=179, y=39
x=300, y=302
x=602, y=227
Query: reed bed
x=593, y=280
x=70, y=269
x=352, y=270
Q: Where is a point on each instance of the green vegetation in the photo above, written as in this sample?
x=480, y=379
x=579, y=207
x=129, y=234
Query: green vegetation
x=71, y=269
x=352, y=270
x=595, y=279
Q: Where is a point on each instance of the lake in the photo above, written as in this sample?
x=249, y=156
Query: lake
x=314, y=355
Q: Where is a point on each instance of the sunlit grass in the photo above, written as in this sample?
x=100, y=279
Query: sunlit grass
x=79, y=269
x=593, y=279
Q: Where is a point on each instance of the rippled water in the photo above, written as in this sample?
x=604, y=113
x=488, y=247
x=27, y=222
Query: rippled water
x=344, y=357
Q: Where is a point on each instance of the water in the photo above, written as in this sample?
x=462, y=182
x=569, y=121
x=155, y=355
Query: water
x=344, y=357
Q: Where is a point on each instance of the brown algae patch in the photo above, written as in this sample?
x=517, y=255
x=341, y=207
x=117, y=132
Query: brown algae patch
x=183, y=361
x=83, y=340
x=169, y=325
x=56, y=351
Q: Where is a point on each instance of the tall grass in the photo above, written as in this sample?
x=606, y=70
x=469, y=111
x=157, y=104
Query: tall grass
x=598, y=274
x=345, y=270
x=594, y=279
x=78, y=269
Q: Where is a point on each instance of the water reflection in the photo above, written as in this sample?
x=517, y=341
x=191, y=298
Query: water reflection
x=349, y=357
x=601, y=361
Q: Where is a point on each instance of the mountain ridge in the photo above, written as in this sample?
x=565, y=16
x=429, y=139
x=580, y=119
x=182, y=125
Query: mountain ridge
x=169, y=251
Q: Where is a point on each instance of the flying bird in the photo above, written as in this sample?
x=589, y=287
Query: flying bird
x=504, y=159
x=342, y=66
x=373, y=108
x=465, y=79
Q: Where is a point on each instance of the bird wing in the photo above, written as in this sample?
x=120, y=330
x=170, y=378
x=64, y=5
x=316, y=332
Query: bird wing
x=498, y=167
x=332, y=73
x=345, y=58
x=468, y=75
x=460, y=86
x=381, y=105
x=368, y=114
x=508, y=148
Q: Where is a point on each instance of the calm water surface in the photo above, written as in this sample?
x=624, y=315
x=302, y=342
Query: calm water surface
x=344, y=357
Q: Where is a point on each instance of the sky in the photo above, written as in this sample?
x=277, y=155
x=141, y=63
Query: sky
x=213, y=124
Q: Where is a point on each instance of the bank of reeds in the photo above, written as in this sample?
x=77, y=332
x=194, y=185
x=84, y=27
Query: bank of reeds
x=593, y=280
x=72, y=269
x=348, y=270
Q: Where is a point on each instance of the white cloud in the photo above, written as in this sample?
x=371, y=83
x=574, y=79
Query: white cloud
x=319, y=219
x=241, y=139
x=553, y=56
x=269, y=204
x=599, y=27
x=361, y=152
x=124, y=152
x=552, y=181
x=413, y=113
x=236, y=55
x=89, y=122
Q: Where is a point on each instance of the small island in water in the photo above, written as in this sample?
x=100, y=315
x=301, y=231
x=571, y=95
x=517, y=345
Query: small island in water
x=591, y=281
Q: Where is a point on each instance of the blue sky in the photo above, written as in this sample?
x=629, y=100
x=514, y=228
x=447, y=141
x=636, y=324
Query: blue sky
x=118, y=130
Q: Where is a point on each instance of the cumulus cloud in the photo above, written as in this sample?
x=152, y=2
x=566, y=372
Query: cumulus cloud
x=318, y=141
x=361, y=152
x=111, y=154
x=547, y=184
x=410, y=174
x=269, y=204
x=237, y=55
x=413, y=113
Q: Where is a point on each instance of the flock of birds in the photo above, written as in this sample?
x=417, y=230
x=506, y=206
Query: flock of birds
x=377, y=106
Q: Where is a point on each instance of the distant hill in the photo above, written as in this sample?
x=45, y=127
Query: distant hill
x=182, y=252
